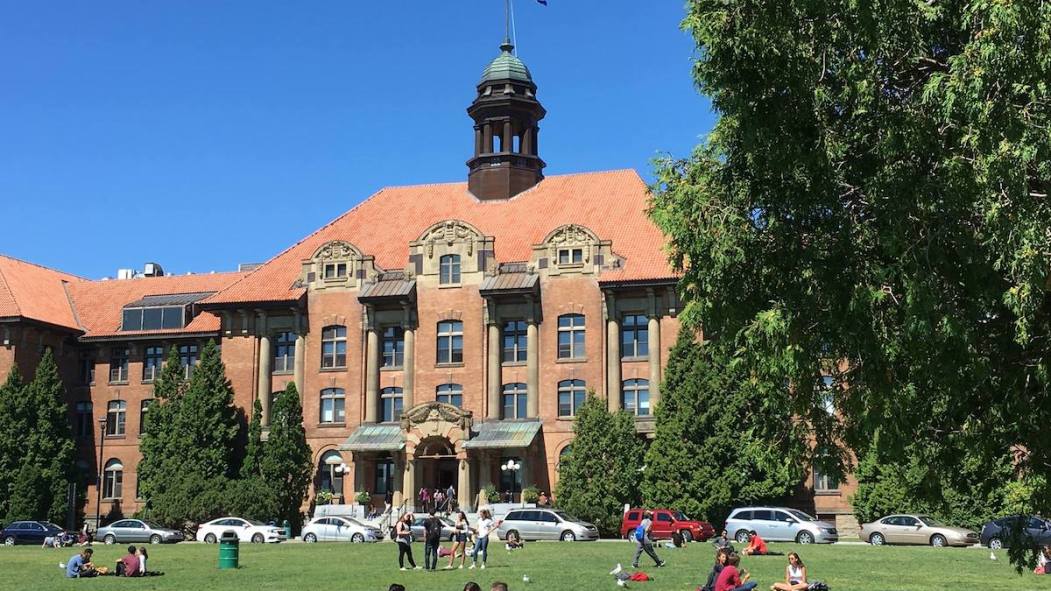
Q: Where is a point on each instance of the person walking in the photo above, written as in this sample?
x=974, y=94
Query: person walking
x=459, y=540
x=482, y=530
x=403, y=535
x=643, y=542
x=424, y=497
x=450, y=496
x=432, y=537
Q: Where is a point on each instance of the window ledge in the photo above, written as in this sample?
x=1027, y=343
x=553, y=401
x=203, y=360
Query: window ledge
x=118, y=382
x=632, y=359
x=828, y=493
x=458, y=364
x=284, y=372
x=571, y=360
x=112, y=499
x=116, y=436
x=331, y=425
x=333, y=369
x=449, y=285
x=393, y=368
x=513, y=363
x=146, y=382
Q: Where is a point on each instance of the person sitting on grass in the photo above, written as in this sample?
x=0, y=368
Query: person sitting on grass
x=722, y=540
x=730, y=578
x=128, y=565
x=756, y=545
x=1043, y=561
x=498, y=586
x=795, y=575
x=396, y=587
x=722, y=555
x=80, y=565
x=472, y=586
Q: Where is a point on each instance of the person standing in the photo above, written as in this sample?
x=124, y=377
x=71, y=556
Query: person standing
x=459, y=540
x=450, y=495
x=403, y=535
x=482, y=530
x=424, y=497
x=643, y=542
x=432, y=536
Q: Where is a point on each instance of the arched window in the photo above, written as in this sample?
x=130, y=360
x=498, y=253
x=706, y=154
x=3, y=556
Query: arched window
x=333, y=347
x=390, y=404
x=284, y=352
x=113, y=480
x=330, y=473
x=449, y=269
x=116, y=417
x=635, y=397
x=451, y=394
x=571, y=336
x=332, y=406
x=571, y=395
x=450, y=341
x=563, y=455
x=514, y=401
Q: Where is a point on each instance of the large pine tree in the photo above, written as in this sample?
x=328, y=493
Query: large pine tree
x=13, y=431
x=252, y=465
x=158, y=438
x=286, y=460
x=206, y=423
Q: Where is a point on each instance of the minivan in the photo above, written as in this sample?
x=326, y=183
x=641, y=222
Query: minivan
x=779, y=524
x=545, y=524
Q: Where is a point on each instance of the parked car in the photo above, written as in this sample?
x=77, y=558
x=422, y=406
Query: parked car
x=136, y=530
x=448, y=527
x=545, y=524
x=339, y=529
x=29, y=532
x=665, y=523
x=997, y=533
x=779, y=524
x=247, y=530
x=915, y=529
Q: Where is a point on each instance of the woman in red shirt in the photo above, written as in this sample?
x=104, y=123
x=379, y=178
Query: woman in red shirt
x=730, y=578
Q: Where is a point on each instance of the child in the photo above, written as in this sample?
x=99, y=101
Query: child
x=795, y=576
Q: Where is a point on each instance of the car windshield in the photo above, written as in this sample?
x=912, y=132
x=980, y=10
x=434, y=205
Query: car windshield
x=930, y=521
x=566, y=516
x=254, y=522
x=680, y=516
x=802, y=516
x=151, y=525
x=50, y=525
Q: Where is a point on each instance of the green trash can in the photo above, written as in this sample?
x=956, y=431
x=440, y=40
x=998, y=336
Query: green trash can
x=229, y=550
x=288, y=529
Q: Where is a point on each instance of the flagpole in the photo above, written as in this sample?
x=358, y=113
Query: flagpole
x=507, y=19
x=514, y=29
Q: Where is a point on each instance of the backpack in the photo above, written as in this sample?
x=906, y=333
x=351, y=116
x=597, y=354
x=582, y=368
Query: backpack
x=817, y=586
x=640, y=533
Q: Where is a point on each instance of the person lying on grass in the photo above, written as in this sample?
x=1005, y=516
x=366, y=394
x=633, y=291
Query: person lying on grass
x=795, y=575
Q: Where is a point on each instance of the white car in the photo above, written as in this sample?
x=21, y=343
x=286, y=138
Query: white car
x=247, y=530
x=339, y=529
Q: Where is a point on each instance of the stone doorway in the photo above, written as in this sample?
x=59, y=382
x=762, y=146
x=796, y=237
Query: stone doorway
x=436, y=465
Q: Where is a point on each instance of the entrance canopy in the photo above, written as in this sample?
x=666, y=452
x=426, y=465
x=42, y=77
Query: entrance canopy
x=375, y=438
x=503, y=434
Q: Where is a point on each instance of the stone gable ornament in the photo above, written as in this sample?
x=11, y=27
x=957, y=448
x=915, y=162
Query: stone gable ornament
x=450, y=232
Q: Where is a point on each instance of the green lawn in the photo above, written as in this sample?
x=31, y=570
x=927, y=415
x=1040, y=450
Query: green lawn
x=551, y=566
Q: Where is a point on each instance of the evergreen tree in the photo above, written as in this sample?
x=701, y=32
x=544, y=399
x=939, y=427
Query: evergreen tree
x=159, y=433
x=206, y=422
x=602, y=472
x=13, y=430
x=251, y=467
x=51, y=446
x=286, y=460
x=29, y=494
x=716, y=445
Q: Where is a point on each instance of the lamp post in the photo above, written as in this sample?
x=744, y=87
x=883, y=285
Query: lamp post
x=512, y=467
x=99, y=480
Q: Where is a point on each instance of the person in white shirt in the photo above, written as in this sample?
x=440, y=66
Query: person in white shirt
x=484, y=527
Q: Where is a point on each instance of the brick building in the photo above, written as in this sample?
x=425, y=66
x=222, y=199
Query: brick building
x=433, y=331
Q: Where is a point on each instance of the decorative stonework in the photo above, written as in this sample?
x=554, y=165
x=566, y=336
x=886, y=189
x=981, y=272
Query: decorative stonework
x=336, y=250
x=436, y=419
x=448, y=233
x=587, y=253
x=569, y=235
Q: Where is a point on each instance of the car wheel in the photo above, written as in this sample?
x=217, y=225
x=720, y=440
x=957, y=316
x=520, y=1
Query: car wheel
x=742, y=536
x=110, y=539
x=687, y=537
x=877, y=539
x=310, y=538
x=209, y=539
x=155, y=539
x=258, y=539
x=805, y=537
x=996, y=544
x=357, y=538
x=568, y=536
x=938, y=541
x=9, y=541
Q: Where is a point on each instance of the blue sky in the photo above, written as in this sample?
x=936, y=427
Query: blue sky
x=204, y=133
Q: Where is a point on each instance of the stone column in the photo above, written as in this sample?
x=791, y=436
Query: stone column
x=265, y=357
x=463, y=485
x=408, y=483
x=299, y=356
x=532, y=370
x=613, y=384
x=409, y=368
x=487, y=138
x=372, y=368
x=654, y=330
x=359, y=474
x=495, y=379
x=399, y=493
x=509, y=137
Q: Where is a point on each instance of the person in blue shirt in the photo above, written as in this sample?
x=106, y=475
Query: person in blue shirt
x=80, y=565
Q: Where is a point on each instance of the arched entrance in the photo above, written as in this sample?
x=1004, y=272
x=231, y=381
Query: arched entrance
x=434, y=436
x=436, y=464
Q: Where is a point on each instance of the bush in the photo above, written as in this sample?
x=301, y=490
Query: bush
x=363, y=497
x=530, y=494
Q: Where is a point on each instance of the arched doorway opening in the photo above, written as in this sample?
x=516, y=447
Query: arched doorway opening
x=436, y=464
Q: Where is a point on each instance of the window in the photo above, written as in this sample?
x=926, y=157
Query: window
x=908, y=521
x=333, y=347
x=152, y=361
x=514, y=341
x=144, y=407
x=113, y=480
x=393, y=346
x=335, y=271
x=762, y=515
x=187, y=359
x=664, y=517
x=284, y=352
x=118, y=364
x=571, y=256
x=634, y=336
x=153, y=318
x=332, y=405
x=564, y=455
x=514, y=401
x=116, y=415
x=571, y=336
x=330, y=473
x=824, y=482
x=87, y=369
x=450, y=341
x=635, y=397
x=390, y=404
x=451, y=394
x=571, y=395
x=384, y=477
x=82, y=420
x=449, y=269
x=827, y=393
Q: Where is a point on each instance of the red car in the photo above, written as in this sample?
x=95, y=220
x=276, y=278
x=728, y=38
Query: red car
x=665, y=523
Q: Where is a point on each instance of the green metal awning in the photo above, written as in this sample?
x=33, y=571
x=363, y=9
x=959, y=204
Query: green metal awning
x=503, y=434
x=375, y=438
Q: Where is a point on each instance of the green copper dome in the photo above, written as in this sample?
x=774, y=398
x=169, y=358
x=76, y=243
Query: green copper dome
x=506, y=66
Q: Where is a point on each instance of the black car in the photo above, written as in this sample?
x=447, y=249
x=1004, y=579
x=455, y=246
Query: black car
x=29, y=532
x=997, y=533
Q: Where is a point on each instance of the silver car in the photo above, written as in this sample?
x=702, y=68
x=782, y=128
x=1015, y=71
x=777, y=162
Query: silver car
x=545, y=524
x=135, y=530
x=779, y=524
x=339, y=529
x=418, y=531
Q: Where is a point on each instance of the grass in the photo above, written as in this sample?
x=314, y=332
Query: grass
x=551, y=566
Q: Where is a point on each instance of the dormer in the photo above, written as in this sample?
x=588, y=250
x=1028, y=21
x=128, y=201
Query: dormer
x=572, y=249
x=450, y=253
x=336, y=264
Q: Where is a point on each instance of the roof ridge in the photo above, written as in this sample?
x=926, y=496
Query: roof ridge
x=39, y=266
x=7, y=288
x=73, y=306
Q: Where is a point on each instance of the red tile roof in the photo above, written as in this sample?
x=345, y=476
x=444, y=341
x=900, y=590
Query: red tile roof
x=35, y=292
x=612, y=204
